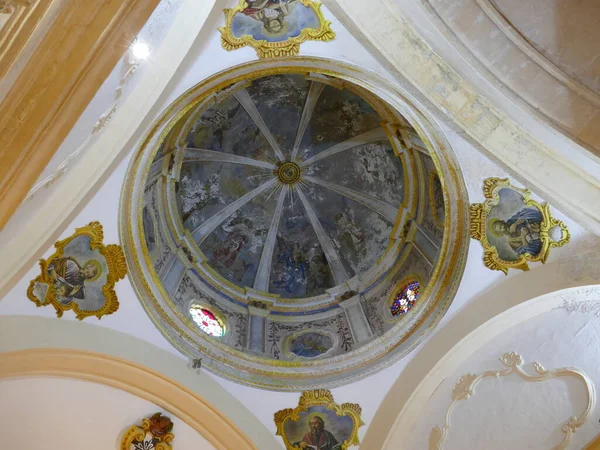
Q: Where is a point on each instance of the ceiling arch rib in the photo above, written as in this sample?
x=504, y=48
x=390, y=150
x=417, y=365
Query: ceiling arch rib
x=531, y=153
x=378, y=134
x=37, y=223
x=263, y=274
x=106, y=356
x=309, y=107
x=337, y=268
x=382, y=208
x=203, y=230
x=199, y=154
x=246, y=101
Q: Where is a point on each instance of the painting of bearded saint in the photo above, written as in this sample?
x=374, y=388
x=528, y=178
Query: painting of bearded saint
x=273, y=20
x=513, y=227
x=318, y=438
x=318, y=423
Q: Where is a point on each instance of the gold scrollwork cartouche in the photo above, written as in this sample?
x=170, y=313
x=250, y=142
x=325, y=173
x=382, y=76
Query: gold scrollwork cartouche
x=158, y=427
x=266, y=49
x=320, y=397
x=117, y=269
x=479, y=222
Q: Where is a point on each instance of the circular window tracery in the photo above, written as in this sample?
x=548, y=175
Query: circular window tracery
x=207, y=321
x=406, y=298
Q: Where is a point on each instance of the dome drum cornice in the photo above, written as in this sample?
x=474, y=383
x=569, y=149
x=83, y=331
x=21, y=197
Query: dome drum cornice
x=186, y=267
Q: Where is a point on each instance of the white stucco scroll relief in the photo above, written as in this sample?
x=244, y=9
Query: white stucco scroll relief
x=514, y=362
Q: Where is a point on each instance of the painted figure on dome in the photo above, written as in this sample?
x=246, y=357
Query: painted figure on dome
x=274, y=27
x=318, y=438
x=295, y=267
x=233, y=245
x=310, y=345
x=318, y=272
x=69, y=277
x=522, y=231
x=271, y=13
x=350, y=236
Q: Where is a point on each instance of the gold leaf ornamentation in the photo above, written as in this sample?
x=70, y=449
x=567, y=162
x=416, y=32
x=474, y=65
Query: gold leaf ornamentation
x=479, y=223
x=52, y=287
x=266, y=49
x=156, y=430
x=319, y=397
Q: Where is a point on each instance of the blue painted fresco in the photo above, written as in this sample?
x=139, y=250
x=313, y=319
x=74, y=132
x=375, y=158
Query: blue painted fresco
x=339, y=115
x=298, y=265
x=234, y=248
x=513, y=227
x=310, y=345
x=273, y=20
x=334, y=428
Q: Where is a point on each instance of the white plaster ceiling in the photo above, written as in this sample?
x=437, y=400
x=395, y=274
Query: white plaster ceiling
x=511, y=412
x=43, y=412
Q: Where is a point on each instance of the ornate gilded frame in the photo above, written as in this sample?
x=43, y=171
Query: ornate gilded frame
x=153, y=427
x=478, y=225
x=117, y=269
x=320, y=397
x=265, y=49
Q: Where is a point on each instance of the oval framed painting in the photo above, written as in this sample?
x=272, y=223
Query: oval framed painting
x=309, y=344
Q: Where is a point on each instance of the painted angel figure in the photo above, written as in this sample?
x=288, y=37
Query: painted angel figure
x=271, y=13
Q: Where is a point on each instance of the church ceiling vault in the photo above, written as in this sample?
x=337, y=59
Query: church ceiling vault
x=290, y=186
x=286, y=221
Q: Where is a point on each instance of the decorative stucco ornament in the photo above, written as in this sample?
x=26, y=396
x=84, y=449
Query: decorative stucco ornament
x=80, y=275
x=155, y=433
x=8, y=6
x=319, y=423
x=274, y=27
x=513, y=229
x=465, y=388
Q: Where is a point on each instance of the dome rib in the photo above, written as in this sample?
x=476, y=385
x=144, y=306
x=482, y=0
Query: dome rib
x=314, y=93
x=263, y=274
x=248, y=104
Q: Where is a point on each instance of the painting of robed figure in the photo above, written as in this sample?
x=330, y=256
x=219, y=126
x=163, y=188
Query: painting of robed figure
x=274, y=27
x=318, y=423
x=513, y=228
x=80, y=275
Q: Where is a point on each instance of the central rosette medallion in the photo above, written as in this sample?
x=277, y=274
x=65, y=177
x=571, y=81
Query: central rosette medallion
x=288, y=173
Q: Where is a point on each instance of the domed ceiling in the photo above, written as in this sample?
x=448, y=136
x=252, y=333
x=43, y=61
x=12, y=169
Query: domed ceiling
x=288, y=226
x=284, y=202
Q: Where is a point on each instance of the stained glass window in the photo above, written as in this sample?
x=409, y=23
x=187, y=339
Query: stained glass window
x=405, y=298
x=207, y=321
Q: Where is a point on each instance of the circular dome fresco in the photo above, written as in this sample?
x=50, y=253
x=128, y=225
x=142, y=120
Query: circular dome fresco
x=287, y=223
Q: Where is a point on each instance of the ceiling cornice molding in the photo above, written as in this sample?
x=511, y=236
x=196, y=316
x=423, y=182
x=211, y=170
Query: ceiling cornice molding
x=25, y=16
x=133, y=378
x=396, y=44
x=164, y=378
x=78, y=52
x=41, y=224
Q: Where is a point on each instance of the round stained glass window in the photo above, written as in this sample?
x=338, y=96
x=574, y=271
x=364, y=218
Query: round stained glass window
x=406, y=298
x=207, y=321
